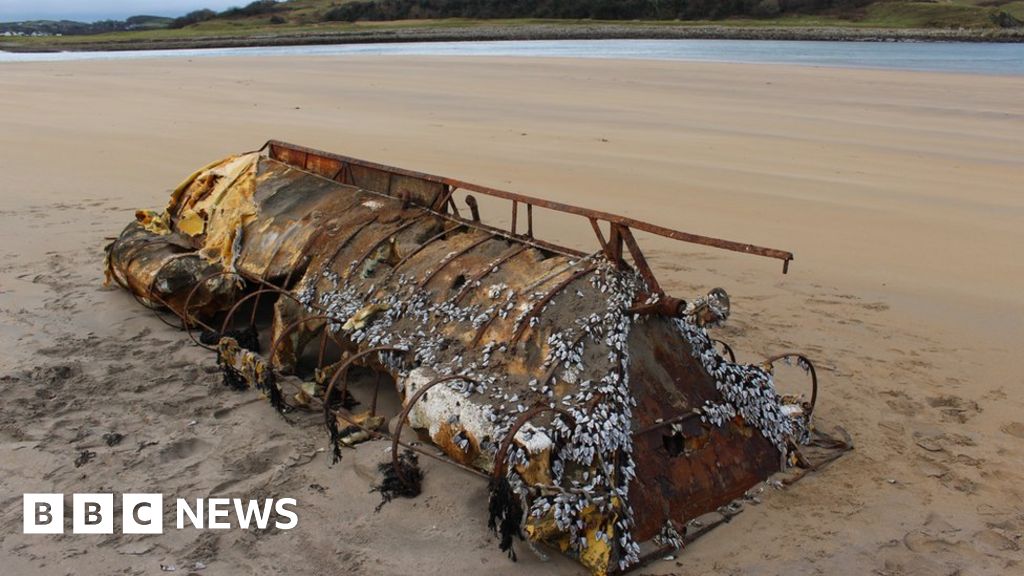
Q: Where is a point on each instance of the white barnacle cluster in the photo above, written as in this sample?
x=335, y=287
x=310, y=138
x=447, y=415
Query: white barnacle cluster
x=494, y=291
x=669, y=536
x=748, y=389
x=592, y=463
x=717, y=413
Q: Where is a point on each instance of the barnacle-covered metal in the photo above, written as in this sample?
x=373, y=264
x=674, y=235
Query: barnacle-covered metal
x=597, y=406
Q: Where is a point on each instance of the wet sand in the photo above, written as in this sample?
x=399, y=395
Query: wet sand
x=899, y=193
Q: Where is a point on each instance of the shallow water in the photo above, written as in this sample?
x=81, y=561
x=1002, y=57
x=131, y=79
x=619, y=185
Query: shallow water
x=970, y=57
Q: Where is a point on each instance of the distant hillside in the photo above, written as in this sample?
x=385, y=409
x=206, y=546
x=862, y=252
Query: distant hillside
x=953, y=14
x=71, y=28
x=894, y=13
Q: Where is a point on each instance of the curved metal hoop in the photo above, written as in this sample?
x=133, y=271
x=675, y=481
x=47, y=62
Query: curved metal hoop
x=506, y=442
x=343, y=370
x=810, y=369
x=408, y=408
x=288, y=330
x=726, y=348
x=188, y=303
x=231, y=313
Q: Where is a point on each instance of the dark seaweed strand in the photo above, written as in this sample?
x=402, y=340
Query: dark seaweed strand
x=405, y=481
x=505, y=514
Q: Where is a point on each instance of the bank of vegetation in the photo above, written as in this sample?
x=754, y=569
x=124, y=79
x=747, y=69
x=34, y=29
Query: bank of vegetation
x=275, y=22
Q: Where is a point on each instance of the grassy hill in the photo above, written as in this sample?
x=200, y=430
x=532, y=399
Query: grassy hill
x=877, y=13
x=269, y=22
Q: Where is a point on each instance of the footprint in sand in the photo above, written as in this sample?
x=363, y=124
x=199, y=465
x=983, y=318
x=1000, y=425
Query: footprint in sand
x=183, y=448
x=1015, y=429
x=954, y=408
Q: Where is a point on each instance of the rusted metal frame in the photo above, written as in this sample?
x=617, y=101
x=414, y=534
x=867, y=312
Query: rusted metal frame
x=444, y=263
x=614, y=247
x=477, y=225
x=156, y=312
x=640, y=261
x=321, y=352
x=420, y=248
x=667, y=422
x=474, y=207
x=555, y=365
x=515, y=213
x=688, y=538
x=376, y=393
x=534, y=242
x=136, y=250
x=453, y=208
x=188, y=302
x=341, y=245
x=234, y=308
x=407, y=446
x=445, y=198
x=151, y=294
x=491, y=267
x=540, y=304
x=599, y=234
x=486, y=325
x=785, y=256
x=838, y=446
x=506, y=442
x=555, y=273
x=810, y=368
x=305, y=250
x=263, y=277
x=529, y=220
x=329, y=422
x=728, y=349
x=373, y=247
x=407, y=409
x=343, y=371
x=290, y=328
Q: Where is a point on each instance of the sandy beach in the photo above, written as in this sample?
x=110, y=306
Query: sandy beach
x=898, y=192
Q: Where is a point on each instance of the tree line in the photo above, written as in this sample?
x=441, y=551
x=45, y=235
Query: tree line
x=577, y=9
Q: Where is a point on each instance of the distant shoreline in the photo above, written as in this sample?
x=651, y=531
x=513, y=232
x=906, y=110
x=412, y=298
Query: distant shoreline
x=523, y=32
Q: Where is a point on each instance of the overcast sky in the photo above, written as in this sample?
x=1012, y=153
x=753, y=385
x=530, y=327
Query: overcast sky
x=91, y=10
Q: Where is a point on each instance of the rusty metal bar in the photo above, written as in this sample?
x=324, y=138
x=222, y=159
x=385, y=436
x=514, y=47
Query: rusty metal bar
x=674, y=420
x=419, y=248
x=234, y=308
x=810, y=369
x=289, y=329
x=373, y=247
x=474, y=208
x=726, y=348
x=188, y=302
x=407, y=409
x=515, y=213
x=678, y=235
x=641, y=261
x=449, y=260
x=540, y=304
x=506, y=442
x=377, y=434
x=343, y=370
x=491, y=266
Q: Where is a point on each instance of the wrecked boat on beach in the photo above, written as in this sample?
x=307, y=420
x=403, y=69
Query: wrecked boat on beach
x=601, y=410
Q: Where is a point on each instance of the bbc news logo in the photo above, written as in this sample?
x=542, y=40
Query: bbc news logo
x=144, y=513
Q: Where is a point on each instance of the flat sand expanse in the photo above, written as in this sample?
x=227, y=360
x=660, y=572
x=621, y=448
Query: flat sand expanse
x=901, y=194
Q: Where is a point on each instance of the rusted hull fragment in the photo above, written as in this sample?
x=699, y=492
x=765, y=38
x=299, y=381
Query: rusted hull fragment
x=599, y=407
